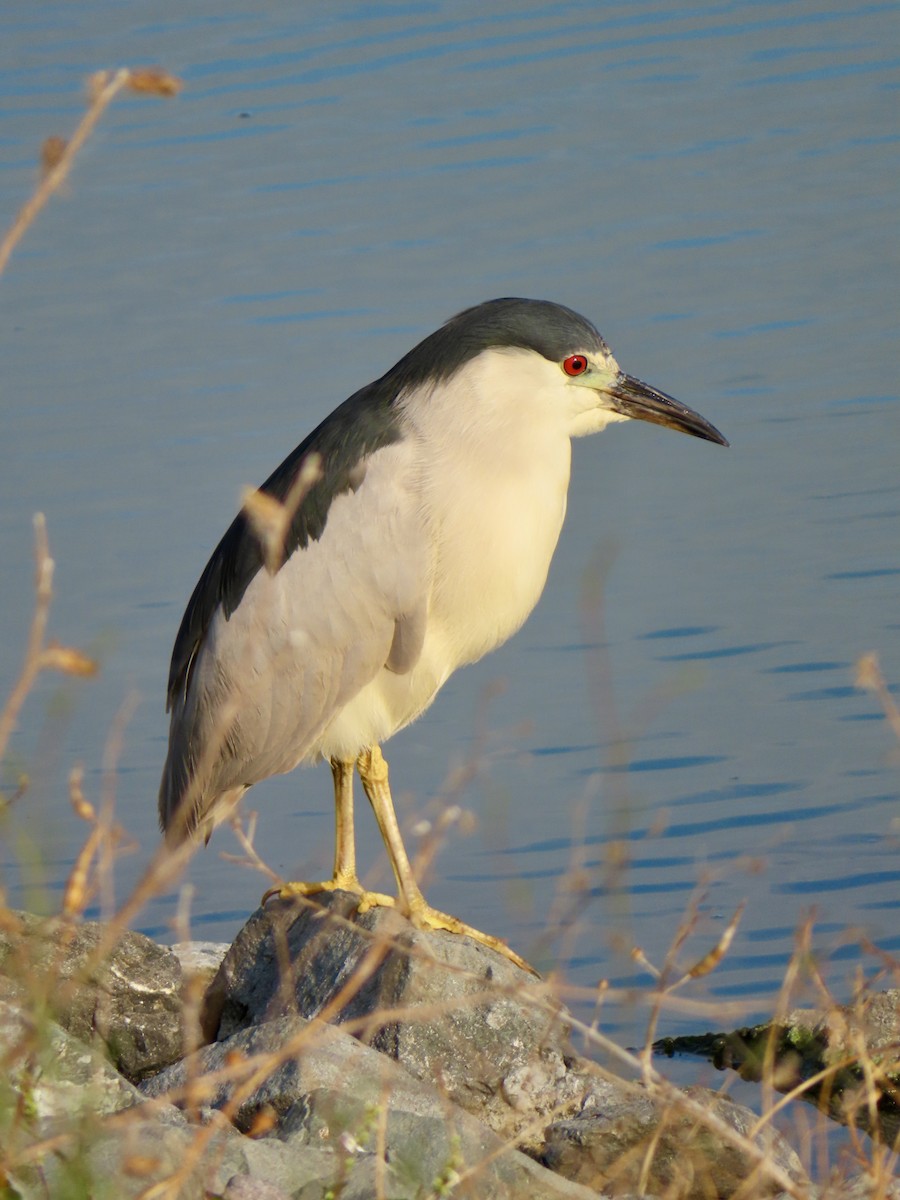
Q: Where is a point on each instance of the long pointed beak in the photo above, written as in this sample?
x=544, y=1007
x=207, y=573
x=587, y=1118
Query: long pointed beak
x=632, y=398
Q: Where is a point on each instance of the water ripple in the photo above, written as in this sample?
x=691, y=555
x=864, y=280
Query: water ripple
x=723, y=652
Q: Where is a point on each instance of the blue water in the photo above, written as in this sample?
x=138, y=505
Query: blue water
x=716, y=187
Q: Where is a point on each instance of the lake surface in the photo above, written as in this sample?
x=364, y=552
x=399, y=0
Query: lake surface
x=716, y=187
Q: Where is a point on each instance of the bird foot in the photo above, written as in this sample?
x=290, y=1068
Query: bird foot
x=340, y=883
x=423, y=916
x=418, y=910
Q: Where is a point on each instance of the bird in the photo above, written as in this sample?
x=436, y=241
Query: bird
x=416, y=526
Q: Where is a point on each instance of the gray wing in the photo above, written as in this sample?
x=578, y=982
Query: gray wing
x=276, y=665
x=364, y=423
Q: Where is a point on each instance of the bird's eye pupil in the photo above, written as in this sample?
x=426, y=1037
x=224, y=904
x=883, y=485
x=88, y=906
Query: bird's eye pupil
x=575, y=364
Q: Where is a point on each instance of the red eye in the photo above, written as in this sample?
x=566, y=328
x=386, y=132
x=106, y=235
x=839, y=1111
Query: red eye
x=575, y=364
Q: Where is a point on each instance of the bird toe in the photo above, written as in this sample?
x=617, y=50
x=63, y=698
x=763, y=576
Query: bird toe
x=425, y=917
x=292, y=889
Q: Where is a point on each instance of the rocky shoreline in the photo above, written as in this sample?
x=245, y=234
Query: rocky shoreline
x=333, y=1054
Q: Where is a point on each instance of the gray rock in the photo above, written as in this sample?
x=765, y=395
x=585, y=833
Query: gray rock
x=56, y=1076
x=121, y=1163
x=388, y=1062
x=55, y=1085
x=130, y=1002
x=244, y=1187
x=450, y=1010
x=201, y=959
x=324, y=1090
x=606, y=1145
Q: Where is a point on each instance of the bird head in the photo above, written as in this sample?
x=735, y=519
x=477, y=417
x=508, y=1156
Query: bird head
x=598, y=392
x=543, y=350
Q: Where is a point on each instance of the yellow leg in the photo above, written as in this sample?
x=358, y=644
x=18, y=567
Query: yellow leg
x=373, y=771
x=344, y=877
x=344, y=838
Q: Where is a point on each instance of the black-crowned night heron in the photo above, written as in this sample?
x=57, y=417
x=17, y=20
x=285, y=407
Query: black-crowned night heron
x=420, y=519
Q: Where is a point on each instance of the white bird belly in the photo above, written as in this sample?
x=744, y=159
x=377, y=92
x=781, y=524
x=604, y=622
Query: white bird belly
x=494, y=537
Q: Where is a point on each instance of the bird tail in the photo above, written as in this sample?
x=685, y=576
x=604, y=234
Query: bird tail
x=186, y=810
x=178, y=797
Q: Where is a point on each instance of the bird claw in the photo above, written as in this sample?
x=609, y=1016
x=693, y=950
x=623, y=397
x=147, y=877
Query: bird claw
x=367, y=899
x=423, y=916
x=419, y=913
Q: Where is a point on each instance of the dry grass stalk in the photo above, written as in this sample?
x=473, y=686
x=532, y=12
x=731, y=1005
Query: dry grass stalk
x=39, y=654
x=270, y=519
x=666, y=985
x=869, y=677
x=76, y=893
x=58, y=155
